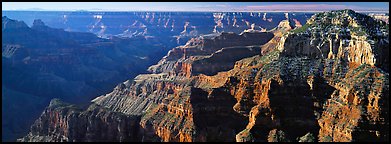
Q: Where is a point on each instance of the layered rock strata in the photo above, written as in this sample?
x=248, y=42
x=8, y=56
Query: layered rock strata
x=293, y=90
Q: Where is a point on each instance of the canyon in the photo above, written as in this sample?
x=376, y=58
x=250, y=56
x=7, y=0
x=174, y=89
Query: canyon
x=170, y=26
x=76, y=56
x=41, y=63
x=326, y=80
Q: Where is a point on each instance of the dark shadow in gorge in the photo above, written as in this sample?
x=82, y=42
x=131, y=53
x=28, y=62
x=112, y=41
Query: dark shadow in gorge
x=297, y=107
x=214, y=117
x=375, y=132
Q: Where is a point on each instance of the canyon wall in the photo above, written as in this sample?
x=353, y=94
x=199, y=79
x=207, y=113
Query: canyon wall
x=298, y=86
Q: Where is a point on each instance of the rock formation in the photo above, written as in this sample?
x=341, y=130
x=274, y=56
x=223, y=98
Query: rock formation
x=302, y=85
x=64, y=122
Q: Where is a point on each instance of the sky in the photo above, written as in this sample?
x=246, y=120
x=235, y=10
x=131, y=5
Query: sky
x=196, y=6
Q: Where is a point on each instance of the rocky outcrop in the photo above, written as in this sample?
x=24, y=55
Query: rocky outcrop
x=145, y=92
x=357, y=111
x=222, y=60
x=277, y=136
x=338, y=121
x=12, y=24
x=270, y=109
x=346, y=35
x=218, y=52
x=64, y=122
x=382, y=17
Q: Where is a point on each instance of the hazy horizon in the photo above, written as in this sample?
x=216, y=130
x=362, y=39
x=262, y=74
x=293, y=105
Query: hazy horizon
x=196, y=6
